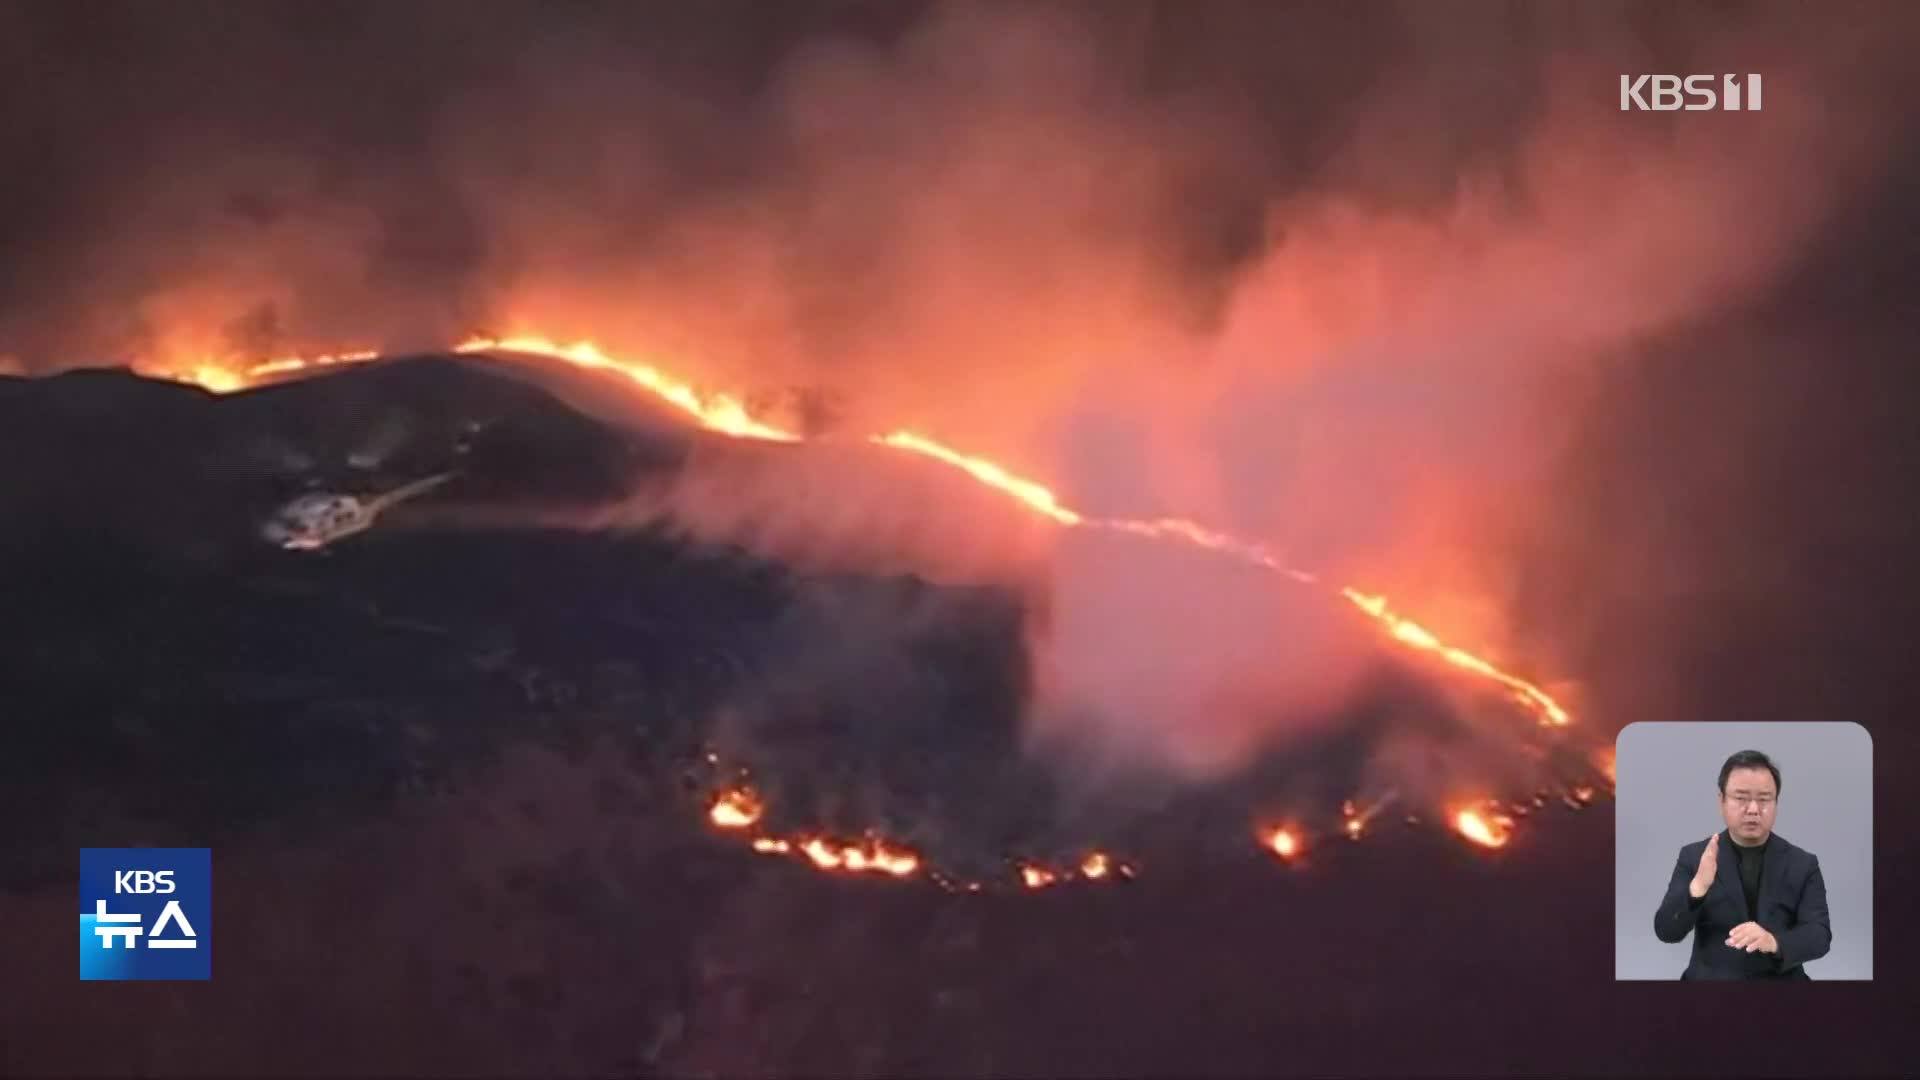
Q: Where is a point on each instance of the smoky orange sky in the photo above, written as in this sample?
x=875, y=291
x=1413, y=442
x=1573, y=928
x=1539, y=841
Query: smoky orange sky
x=1339, y=280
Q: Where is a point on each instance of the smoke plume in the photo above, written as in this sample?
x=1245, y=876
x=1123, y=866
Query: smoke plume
x=1343, y=285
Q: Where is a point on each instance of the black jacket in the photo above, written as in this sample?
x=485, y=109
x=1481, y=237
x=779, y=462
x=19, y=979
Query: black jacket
x=1792, y=906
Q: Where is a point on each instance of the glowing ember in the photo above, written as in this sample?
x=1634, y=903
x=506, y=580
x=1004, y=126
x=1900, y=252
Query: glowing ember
x=1488, y=830
x=1357, y=819
x=1096, y=866
x=1037, y=877
x=824, y=856
x=739, y=808
x=736, y=809
x=1284, y=843
x=873, y=855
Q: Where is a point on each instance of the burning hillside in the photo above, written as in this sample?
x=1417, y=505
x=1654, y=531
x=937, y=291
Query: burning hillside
x=834, y=796
x=929, y=539
x=725, y=415
x=1208, y=461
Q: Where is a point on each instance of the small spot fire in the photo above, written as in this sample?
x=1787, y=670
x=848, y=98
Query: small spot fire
x=1486, y=829
x=1284, y=840
x=739, y=810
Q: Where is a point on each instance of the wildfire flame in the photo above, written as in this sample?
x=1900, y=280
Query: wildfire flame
x=220, y=380
x=873, y=854
x=1487, y=830
x=1284, y=842
x=739, y=810
x=1033, y=494
x=728, y=415
x=1037, y=877
x=227, y=376
x=1408, y=632
x=736, y=809
x=716, y=412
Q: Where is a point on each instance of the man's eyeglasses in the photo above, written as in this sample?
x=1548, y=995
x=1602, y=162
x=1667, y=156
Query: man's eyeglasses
x=1762, y=801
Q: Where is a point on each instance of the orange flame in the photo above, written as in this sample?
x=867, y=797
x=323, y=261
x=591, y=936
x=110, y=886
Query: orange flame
x=1408, y=632
x=736, y=809
x=220, y=380
x=873, y=855
x=717, y=412
x=1283, y=842
x=728, y=415
x=227, y=376
x=1401, y=628
x=1037, y=877
x=1033, y=494
x=1491, y=830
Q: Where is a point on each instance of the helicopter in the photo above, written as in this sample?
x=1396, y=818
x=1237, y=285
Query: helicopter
x=317, y=519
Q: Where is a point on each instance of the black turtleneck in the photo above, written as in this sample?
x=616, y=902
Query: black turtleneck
x=1751, y=859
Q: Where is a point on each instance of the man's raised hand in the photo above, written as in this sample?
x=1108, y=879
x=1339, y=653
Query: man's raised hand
x=1709, y=866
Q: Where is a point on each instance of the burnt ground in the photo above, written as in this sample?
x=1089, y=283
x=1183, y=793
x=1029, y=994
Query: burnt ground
x=453, y=783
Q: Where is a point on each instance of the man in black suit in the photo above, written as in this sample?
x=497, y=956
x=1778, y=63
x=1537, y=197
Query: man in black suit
x=1755, y=904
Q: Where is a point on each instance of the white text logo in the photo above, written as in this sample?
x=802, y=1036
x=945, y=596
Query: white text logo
x=143, y=881
x=1694, y=93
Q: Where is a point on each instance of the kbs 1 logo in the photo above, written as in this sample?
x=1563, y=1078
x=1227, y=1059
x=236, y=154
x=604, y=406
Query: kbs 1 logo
x=146, y=913
x=1694, y=93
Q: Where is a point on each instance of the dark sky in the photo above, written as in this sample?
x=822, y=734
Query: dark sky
x=1731, y=536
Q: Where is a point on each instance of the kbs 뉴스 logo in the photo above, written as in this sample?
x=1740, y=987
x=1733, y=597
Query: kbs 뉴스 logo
x=146, y=913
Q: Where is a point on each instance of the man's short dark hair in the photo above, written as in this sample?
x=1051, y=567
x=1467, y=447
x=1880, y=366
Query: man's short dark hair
x=1749, y=759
